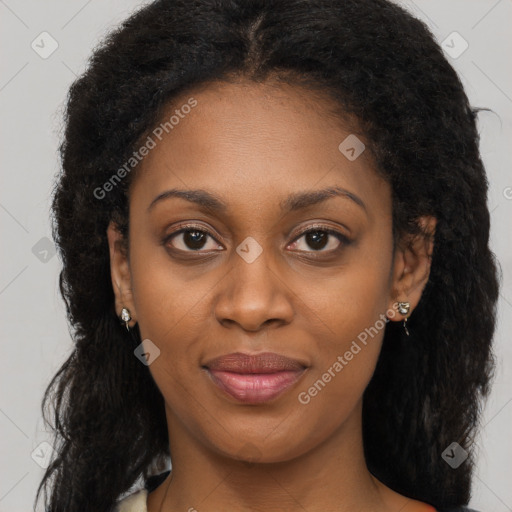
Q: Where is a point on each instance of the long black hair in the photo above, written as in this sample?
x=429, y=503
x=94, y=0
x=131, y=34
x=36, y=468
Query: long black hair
x=375, y=62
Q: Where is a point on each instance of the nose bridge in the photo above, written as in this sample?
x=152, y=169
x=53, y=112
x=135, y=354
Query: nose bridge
x=252, y=264
x=253, y=292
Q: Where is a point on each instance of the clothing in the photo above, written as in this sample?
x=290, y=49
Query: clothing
x=137, y=501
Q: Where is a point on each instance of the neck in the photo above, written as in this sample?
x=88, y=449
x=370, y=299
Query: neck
x=330, y=476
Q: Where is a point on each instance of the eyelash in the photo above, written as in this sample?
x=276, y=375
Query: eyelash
x=344, y=241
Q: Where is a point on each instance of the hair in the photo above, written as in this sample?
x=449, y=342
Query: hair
x=372, y=60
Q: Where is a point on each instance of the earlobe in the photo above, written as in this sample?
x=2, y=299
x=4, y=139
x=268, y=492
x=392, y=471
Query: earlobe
x=120, y=274
x=412, y=268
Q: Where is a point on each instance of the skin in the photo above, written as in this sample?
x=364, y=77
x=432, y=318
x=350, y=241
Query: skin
x=252, y=145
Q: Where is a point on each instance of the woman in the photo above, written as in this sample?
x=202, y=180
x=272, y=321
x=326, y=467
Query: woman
x=273, y=225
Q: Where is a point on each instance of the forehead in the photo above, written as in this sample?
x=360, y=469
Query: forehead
x=254, y=142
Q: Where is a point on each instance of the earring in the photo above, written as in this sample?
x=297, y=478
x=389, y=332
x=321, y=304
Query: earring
x=405, y=327
x=403, y=309
x=126, y=317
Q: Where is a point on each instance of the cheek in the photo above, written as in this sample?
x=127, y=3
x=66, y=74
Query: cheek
x=349, y=299
x=349, y=315
x=344, y=365
x=170, y=313
x=174, y=312
x=166, y=302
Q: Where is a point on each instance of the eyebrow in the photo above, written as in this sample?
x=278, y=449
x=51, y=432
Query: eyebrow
x=293, y=202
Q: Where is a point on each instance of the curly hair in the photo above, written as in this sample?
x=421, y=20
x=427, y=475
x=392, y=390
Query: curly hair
x=375, y=62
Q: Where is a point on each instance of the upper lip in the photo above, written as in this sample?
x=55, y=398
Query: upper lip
x=267, y=362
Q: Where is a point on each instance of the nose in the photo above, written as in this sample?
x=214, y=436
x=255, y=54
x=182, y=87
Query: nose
x=254, y=294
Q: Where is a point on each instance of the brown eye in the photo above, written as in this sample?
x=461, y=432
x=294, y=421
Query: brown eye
x=194, y=239
x=317, y=240
x=191, y=239
x=320, y=240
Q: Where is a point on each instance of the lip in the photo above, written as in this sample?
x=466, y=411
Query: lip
x=254, y=378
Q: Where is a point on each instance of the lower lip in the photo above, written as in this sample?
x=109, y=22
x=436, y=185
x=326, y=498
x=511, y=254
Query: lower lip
x=254, y=388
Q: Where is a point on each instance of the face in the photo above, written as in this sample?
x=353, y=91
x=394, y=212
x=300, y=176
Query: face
x=262, y=260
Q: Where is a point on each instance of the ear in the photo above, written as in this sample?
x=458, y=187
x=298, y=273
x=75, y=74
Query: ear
x=120, y=272
x=411, y=267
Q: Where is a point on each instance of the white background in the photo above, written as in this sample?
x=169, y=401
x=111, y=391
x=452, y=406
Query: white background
x=35, y=339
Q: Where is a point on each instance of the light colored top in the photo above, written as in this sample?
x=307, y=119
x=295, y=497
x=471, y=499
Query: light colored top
x=135, y=502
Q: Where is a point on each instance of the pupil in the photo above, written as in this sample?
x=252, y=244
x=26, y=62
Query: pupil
x=194, y=239
x=316, y=239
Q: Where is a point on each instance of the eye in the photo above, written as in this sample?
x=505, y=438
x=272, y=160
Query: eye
x=192, y=239
x=320, y=239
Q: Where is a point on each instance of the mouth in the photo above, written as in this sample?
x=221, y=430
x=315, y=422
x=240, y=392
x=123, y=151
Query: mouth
x=254, y=379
